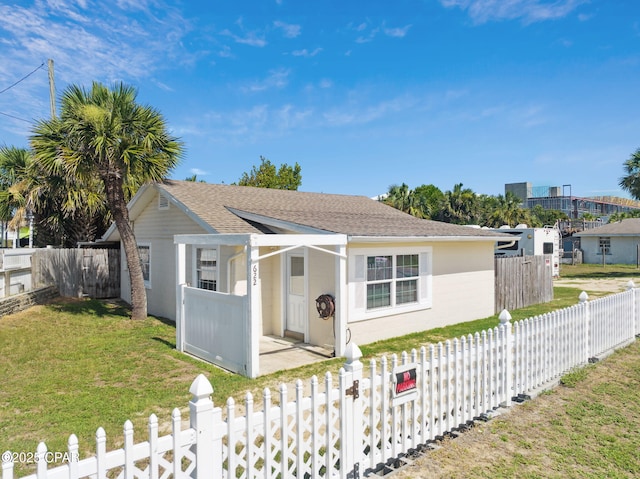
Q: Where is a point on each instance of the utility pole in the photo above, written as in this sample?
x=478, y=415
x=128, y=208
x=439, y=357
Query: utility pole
x=52, y=89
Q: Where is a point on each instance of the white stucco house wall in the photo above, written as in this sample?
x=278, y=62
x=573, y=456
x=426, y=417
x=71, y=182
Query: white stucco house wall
x=618, y=241
x=262, y=257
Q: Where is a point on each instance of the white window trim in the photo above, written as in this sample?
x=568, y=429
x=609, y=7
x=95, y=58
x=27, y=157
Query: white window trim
x=194, y=267
x=147, y=283
x=357, y=284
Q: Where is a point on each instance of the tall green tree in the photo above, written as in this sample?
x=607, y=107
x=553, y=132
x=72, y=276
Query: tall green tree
x=543, y=217
x=429, y=199
x=500, y=210
x=13, y=165
x=631, y=181
x=194, y=178
x=63, y=212
x=460, y=206
x=403, y=199
x=105, y=134
x=267, y=175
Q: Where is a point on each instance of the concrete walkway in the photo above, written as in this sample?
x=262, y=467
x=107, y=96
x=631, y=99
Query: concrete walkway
x=278, y=353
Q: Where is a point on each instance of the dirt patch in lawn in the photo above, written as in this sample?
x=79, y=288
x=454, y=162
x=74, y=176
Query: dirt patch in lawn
x=615, y=285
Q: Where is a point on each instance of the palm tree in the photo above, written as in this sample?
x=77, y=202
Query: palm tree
x=13, y=165
x=64, y=212
x=631, y=182
x=405, y=200
x=504, y=210
x=460, y=206
x=429, y=200
x=104, y=134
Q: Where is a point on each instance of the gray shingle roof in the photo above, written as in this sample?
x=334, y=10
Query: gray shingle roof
x=350, y=215
x=626, y=227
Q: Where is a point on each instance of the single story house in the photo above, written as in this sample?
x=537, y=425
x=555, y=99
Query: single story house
x=232, y=263
x=619, y=242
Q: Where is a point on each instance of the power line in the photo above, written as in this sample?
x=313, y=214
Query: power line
x=15, y=117
x=22, y=79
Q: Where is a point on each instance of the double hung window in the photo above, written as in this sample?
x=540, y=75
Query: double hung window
x=207, y=269
x=392, y=280
x=386, y=280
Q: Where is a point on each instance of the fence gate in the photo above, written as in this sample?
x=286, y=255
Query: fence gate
x=522, y=281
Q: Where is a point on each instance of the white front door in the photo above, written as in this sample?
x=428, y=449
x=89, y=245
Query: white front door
x=296, y=299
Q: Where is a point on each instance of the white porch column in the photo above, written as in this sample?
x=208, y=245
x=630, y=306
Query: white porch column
x=181, y=272
x=254, y=313
x=341, y=313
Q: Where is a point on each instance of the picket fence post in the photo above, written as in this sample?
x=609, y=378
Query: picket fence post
x=634, y=307
x=351, y=414
x=507, y=383
x=584, y=301
x=208, y=446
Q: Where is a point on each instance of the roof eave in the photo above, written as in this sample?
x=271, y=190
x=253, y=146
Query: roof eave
x=277, y=223
x=413, y=239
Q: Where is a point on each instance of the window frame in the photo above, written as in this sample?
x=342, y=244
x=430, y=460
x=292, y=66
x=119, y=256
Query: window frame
x=147, y=281
x=359, y=282
x=196, y=269
x=607, y=240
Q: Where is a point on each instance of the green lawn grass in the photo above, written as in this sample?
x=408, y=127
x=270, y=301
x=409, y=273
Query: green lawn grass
x=586, y=428
x=73, y=366
x=610, y=271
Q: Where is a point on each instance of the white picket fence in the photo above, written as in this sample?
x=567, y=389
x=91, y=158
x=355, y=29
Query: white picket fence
x=361, y=423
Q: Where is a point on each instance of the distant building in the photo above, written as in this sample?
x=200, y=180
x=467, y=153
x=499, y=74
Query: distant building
x=575, y=207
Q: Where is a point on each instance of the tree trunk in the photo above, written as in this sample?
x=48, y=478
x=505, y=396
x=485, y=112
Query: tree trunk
x=118, y=208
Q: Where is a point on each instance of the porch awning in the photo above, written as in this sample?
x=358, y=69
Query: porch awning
x=282, y=240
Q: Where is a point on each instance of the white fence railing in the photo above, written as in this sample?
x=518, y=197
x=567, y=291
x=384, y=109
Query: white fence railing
x=16, y=258
x=372, y=415
x=15, y=277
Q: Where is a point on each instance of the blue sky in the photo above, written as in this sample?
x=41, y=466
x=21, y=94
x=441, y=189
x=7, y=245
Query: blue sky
x=361, y=94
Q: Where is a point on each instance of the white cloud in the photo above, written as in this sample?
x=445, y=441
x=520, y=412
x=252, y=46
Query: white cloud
x=253, y=39
x=530, y=11
x=290, y=30
x=355, y=114
x=163, y=86
x=110, y=46
x=225, y=52
x=288, y=117
x=106, y=44
x=306, y=53
x=371, y=34
x=367, y=32
x=398, y=32
x=277, y=78
x=254, y=124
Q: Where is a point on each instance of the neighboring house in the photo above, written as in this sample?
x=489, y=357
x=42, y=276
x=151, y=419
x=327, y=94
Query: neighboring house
x=245, y=262
x=618, y=242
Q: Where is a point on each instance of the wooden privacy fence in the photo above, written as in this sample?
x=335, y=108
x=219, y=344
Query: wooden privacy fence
x=78, y=272
x=371, y=417
x=521, y=281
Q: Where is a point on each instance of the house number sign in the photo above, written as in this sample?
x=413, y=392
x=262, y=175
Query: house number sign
x=254, y=275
